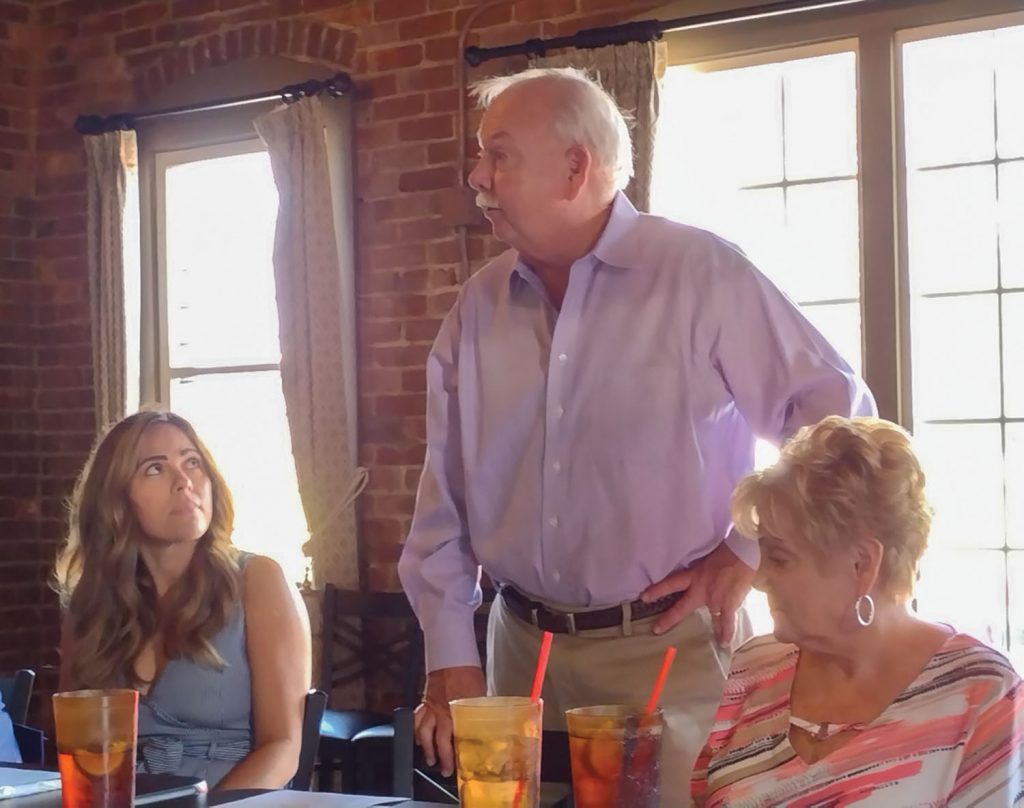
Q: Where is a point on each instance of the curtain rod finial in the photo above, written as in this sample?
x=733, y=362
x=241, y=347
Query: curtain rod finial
x=89, y=124
x=339, y=84
x=99, y=125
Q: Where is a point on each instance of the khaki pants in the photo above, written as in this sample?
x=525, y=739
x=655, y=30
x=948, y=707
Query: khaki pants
x=618, y=666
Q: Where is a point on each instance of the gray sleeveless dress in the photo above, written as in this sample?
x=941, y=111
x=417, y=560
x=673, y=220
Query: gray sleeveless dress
x=196, y=721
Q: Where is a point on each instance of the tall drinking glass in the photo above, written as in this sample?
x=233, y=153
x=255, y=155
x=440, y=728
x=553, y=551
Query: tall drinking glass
x=615, y=752
x=497, y=751
x=96, y=732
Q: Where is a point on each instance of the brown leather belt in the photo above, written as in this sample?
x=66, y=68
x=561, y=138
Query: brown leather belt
x=546, y=619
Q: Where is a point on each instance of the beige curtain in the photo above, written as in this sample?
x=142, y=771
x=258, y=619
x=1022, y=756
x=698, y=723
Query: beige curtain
x=629, y=73
x=308, y=282
x=109, y=159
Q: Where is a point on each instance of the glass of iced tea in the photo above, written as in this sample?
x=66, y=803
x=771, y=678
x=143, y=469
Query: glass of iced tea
x=615, y=752
x=497, y=751
x=96, y=747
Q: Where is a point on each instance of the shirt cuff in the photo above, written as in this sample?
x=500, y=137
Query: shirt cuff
x=747, y=550
x=451, y=642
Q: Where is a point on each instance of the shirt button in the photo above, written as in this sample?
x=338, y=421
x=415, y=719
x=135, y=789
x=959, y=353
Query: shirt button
x=556, y=576
x=553, y=521
x=563, y=358
x=559, y=412
x=556, y=466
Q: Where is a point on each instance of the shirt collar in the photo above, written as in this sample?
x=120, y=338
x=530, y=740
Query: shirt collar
x=614, y=246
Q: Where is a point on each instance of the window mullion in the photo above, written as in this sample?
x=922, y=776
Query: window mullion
x=150, y=314
x=219, y=370
x=882, y=282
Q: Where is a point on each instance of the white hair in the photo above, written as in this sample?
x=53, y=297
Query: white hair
x=588, y=117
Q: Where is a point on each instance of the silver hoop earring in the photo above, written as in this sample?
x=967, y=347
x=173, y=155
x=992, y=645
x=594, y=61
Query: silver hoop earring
x=869, y=618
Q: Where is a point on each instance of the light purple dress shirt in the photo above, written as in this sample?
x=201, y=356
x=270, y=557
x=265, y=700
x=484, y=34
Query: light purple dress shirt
x=586, y=453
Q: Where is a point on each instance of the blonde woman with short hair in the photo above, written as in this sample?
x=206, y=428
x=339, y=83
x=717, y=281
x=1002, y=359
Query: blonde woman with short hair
x=158, y=599
x=854, y=700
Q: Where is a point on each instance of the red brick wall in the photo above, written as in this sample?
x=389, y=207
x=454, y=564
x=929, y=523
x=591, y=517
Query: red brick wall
x=59, y=58
x=23, y=620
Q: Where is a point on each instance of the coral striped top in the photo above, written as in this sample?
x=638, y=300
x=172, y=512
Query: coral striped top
x=954, y=737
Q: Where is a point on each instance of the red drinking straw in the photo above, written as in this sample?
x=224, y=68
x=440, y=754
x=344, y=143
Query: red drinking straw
x=542, y=666
x=538, y=683
x=659, y=683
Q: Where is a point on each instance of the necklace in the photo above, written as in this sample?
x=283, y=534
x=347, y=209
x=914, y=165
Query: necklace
x=824, y=730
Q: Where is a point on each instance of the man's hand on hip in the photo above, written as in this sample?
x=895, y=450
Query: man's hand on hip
x=719, y=581
x=433, y=721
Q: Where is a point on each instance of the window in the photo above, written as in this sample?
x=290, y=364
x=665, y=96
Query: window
x=218, y=209
x=872, y=164
x=964, y=153
x=209, y=329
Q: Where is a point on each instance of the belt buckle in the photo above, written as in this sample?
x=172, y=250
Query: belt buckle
x=570, y=623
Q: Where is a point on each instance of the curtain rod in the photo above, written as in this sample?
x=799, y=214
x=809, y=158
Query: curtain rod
x=336, y=86
x=644, y=30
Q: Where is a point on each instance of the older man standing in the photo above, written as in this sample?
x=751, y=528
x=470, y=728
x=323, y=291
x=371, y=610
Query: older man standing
x=593, y=398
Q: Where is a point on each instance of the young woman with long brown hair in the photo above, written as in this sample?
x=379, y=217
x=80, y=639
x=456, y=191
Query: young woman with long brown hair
x=157, y=598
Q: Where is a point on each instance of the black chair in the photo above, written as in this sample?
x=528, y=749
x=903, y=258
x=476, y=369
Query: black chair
x=372, y=638
x=16, y=691
x=312, y=715
x=413, y=779
x=30, y=744
x=374, y=747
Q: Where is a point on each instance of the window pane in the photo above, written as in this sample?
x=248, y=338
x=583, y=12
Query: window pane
x=962, y=93
x=963, y=465
x=250, y=441
x=821, y=116
x=956, y=357
x=966, y=590
x=731, y=117
x=1010, y=91
x=840, y=323
x=952, y=229
x=949, y=100
x=823, y=241
x=1015, y=563
x=1015, y=485
x=1011, y=224
x=1013, y=354
x=220, y=221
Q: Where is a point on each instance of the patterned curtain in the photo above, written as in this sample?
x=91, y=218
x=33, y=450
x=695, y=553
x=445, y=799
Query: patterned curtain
x=308, y=283
x=630, y=74
x=110, y=158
